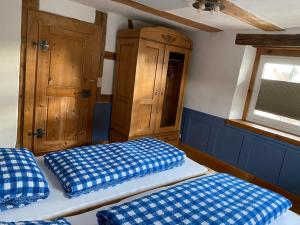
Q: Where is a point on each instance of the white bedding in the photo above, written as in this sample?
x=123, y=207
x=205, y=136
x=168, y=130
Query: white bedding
x=57, y=204
x=89, y=218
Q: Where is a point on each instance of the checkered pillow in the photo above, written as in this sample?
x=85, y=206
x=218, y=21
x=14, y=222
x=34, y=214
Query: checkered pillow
x=90, y=168
x=215, y=199
x=40, y=222
x=21, y=180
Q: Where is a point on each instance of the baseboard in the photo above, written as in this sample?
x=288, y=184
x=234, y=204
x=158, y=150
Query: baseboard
x=220, y=166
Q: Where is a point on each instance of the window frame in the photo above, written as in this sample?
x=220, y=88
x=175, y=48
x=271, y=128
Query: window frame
x=262, y=56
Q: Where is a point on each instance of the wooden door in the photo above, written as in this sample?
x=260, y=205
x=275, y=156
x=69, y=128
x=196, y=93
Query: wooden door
x=174, y=75
x=147, y=85
x=62, y=67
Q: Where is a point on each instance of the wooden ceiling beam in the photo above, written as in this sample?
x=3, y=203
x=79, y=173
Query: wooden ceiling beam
x=235, y=11
x=269, y=40
x=168, y=16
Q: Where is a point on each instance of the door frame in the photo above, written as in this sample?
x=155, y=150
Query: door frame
x=29, y=84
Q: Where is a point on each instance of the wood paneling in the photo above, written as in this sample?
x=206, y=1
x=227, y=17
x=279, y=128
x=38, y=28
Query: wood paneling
x=110, y=55
x=125, y=69
x=269, y=40
x=163, y=35
x=26, y=5
x=220, y=166
x=168, y=16
x=235, y=11
x=265, y=131
x=56, y=79
x=147, y=88
x=105, y=98
x=251, y=85
x=146, y=78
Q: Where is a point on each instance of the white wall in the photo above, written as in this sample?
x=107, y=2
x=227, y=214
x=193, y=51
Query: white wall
x=214, y=70
x=69, y=9
x=220, y=72
x=10, y=41
x=241, y=90
x=114, y=24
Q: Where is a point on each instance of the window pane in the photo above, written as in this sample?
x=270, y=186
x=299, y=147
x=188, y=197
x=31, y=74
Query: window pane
x=296, y=75
x=280, y=72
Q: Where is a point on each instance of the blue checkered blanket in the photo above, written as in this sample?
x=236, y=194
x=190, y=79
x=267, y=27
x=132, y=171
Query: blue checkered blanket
x=40, y=222
x=84, y=169
x=21, y=180
x=211, y=200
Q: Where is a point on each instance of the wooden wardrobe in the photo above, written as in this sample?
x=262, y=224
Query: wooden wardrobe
x=150, y=74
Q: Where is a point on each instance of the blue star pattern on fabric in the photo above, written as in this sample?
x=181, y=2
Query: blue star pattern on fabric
x=84, y=169
x=21, y=180
x=211, y=200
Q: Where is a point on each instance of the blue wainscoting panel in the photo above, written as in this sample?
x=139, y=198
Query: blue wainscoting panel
x=290, y=174
x=198, y=129
x=274, y=161
x=101, y=122
x=262, y=158
x=227, y=145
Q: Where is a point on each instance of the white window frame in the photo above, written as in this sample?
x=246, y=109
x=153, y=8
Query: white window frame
x=279, y=125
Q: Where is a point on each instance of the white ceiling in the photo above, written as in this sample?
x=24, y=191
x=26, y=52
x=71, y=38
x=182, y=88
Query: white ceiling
x=284, y=13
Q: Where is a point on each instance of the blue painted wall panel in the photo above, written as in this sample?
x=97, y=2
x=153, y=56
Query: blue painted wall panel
x=262, y=158
x=228, y=145
x=272, y=160
x=289, y=177
x=101, y=122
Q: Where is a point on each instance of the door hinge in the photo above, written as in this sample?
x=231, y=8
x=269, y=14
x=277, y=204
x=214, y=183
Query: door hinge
x=39, y=133
x=42, y=44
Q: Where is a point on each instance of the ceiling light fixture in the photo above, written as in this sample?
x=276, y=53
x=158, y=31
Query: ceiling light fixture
x=209, y=5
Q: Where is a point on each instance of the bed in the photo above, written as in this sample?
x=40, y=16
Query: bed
x=58, y=205
x=89, y=218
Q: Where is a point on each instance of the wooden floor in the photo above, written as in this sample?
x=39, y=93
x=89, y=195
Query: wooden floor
x=220, y=166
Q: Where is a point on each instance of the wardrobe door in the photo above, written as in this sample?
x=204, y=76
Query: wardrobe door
x=172, y=87
x=147, y=85
x=125, y=68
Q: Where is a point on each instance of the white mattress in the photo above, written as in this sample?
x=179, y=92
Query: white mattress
x=57, y=204
x=89, y=218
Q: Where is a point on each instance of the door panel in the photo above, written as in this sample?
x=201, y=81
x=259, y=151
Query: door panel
x=125, y=69
x=171, y=89
x=146, y=93
x=65, y=85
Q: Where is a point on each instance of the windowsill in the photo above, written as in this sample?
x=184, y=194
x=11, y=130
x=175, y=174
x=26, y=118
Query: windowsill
x=265, y=131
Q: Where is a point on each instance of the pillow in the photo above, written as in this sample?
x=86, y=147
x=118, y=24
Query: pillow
x=21, y=180
x=215, y=199
x=40, y=222
x=85, y=169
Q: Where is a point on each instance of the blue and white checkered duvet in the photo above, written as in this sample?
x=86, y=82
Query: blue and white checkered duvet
x=85, y=169
x=21, y=180
x=40, y=222
x=212, y=200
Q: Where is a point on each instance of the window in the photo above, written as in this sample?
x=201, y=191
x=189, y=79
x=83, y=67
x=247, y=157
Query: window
x=275, y=100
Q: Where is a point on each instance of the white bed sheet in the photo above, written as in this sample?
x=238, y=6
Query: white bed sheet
x=89, y=218
x=57, y=204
